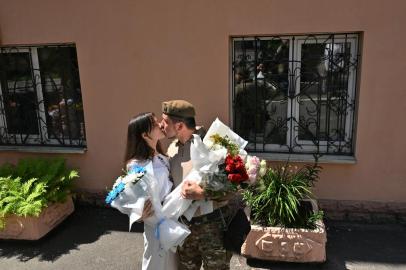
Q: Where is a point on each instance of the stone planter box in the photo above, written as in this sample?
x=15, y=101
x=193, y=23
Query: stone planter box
x=33, y=228
x=286, y=244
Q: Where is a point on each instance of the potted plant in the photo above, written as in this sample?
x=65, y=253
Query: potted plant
x=286, y=223
x=35, y=196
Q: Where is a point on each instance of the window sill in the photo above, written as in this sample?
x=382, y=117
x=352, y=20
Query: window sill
x=306, y=158
x=43, y=149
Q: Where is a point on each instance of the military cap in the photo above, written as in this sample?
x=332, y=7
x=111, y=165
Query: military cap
x=178, y=108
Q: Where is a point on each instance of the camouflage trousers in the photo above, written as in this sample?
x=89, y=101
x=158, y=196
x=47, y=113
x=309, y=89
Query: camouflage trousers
x=204, y=244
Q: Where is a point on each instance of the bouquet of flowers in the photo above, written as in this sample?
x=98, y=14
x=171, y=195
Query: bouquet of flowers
x=234, y=174
x=129, y=194
x=219, y=166
x=134, y=174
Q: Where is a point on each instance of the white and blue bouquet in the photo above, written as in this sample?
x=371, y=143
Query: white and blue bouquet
x=134, y=174
x=129, y=194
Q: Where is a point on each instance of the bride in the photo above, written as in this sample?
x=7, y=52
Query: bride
x=143, y=146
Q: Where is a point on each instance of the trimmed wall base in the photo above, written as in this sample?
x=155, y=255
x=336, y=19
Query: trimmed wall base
x=335, y=210
x=364, y=211
x=91, y=198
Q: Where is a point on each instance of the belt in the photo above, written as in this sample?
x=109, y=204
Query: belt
x=216, y=215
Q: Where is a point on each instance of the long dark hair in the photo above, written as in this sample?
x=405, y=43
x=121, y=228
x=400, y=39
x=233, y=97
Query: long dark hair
x=137, y=147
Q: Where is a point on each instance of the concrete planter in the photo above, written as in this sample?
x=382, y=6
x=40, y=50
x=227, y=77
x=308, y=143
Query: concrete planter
x=33, y=228
x=286, y=244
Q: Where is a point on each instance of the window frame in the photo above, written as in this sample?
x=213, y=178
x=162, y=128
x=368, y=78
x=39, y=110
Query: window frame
x=41, y=140
x=295, y=59
x=351, y=86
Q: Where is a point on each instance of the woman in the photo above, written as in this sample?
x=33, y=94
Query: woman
x=143, y=146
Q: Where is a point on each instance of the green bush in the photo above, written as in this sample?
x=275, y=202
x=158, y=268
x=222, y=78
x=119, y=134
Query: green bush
x=277, y=198
x=33, y=184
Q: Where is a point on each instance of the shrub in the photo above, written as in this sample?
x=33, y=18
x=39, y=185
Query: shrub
x=277, y=198
x=31, y=185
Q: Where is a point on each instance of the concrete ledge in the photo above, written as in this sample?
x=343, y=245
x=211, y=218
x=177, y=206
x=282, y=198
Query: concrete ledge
x=364, y=211
x=334, y=210
x=44, y=149
x=306, y=158
x=90, y=197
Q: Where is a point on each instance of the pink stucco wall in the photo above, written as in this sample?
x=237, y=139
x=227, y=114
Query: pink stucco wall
x=134, y=54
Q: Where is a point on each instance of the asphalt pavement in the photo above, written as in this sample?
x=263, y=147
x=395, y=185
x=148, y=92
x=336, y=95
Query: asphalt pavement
x=96, y=238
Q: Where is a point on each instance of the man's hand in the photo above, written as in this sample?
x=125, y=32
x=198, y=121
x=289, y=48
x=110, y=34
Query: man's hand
x=148, y=210
x=192, y=191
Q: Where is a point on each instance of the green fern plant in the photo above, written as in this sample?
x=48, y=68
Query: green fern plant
x=277, y=198
x=28, y=187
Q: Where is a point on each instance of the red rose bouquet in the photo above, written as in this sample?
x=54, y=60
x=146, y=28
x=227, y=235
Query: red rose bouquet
x=232, y=174
x=235, y=169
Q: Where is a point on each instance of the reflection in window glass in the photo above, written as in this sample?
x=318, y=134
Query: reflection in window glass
x=62, y=93
x=19, y=96
x=322, y=78
x=260, y=88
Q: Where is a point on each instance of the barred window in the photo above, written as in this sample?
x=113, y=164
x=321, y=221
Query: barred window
x=40, y=97
x=296, y=94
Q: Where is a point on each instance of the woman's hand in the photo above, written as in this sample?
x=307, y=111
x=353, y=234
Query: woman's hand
x=148, y=210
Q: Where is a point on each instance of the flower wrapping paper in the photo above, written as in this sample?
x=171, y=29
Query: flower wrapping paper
x=205, y=160
x=130, y=201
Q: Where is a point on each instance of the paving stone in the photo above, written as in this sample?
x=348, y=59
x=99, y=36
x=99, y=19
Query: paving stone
x=379, y=207
x=351, y=206
x=328, y=205
x=399, y=208
x=335, y=216
x=383, y=218
x=359, y=217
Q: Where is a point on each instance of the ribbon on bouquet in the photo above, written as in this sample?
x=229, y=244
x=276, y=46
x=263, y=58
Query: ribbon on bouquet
x=157, y=233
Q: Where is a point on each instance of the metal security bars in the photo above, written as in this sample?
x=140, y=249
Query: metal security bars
x=40, y=97
x=296, y=94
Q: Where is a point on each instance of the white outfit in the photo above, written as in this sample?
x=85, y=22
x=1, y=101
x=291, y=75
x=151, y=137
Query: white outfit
x=155, y=258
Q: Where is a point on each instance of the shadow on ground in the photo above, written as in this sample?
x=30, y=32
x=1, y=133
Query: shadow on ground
x=85, y=225
x=349, y=246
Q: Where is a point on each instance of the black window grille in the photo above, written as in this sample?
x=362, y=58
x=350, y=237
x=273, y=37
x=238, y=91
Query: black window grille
x=296, y=94
x=40, y=97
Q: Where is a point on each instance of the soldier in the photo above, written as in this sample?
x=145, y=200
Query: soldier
x=205, y=243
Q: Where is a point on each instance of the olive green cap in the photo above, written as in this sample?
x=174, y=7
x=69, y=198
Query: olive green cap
x=178, y=108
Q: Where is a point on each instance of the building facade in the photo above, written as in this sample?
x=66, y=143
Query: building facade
x=327, y=78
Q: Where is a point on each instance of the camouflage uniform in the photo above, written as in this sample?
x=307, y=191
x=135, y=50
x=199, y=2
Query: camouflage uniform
x=205, y=243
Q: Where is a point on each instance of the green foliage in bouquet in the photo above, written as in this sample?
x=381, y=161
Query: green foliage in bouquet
x=277, y=198
x=231, y=147
x=216, y=184
x=28, y=187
